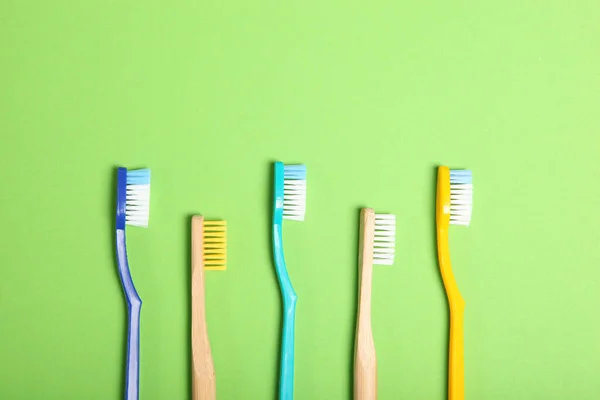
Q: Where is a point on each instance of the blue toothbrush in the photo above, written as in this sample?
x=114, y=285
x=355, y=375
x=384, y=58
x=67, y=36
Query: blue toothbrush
x=133, y=206
x=289, y=203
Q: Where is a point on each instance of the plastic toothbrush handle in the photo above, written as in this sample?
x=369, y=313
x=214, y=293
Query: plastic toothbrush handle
x=365, y=361
x=133, y=352
x=203, y=371
x=134, y=305
x=286, y=384
x=286, y=373
x=456, y=361
x=456, y=304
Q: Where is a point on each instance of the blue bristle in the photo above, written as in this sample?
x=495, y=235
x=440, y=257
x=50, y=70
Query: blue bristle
x=461, y=176
x=138, y=176
x=297, y=172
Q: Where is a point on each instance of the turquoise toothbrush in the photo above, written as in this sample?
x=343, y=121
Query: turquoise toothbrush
x=289, y=203
x=133, y=206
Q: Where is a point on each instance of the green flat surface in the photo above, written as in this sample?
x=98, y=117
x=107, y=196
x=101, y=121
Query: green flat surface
x=371, y=96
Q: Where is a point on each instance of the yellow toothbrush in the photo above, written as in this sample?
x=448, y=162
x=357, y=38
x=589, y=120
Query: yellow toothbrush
x=209, y=246
x=453, y=206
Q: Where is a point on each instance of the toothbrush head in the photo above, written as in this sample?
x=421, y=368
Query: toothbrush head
x=294, y=192
x=384, y=240
x=137, y=210
x=133, y=197
x=454, y=196
x=214, y=239
x=461, y=196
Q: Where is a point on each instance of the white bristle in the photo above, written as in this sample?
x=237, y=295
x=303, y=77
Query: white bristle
x=294, y=192
x=384, y=244
x=137, y=206
x=461, y=197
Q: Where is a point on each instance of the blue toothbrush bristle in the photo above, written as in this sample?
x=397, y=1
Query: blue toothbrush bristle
x=294, y=172
x=138, y=176
x=463, y=176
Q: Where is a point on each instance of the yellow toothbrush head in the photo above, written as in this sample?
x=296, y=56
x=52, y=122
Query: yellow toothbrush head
x=454, y=203
x=214, y=235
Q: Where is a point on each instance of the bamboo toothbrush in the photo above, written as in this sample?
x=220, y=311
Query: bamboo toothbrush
x=133, y=208
x=453, y=206
x=209, y=252
x=377, y=246
x=289, y=203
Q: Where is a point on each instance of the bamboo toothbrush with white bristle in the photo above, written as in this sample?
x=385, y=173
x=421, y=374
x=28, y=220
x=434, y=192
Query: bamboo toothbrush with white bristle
x=377, y=246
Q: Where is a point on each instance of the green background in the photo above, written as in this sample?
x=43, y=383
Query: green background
x=371, y=96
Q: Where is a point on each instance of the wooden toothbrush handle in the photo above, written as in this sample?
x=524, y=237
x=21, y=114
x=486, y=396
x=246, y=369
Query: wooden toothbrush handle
x=203, y=371
x=365, y=361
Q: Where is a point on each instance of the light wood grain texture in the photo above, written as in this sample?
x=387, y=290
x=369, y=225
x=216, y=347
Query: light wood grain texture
x=365, y=361
x=203, y=372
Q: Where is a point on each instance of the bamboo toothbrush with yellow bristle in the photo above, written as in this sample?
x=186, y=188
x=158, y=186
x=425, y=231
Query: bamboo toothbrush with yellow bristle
x=454, y=205
x=377, y=246
x=209, y=252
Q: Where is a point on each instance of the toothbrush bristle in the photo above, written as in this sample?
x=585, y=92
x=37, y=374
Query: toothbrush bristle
x=137, y=204
x=294, y=192
x=215, y=245
x=384, y=246
x=461, y=196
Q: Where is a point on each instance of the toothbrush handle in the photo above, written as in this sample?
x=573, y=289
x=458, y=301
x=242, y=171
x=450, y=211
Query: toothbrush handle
x=286, y=378
x=133, y=352
x=456, y=361
x=286, y=367
x=365, y=360
x=134, y=306
x=203, y=379
x=456, y=304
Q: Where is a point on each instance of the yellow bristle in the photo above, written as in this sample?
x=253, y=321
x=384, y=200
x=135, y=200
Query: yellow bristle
x=214, y=234
x=217, y=228
x=215, y=245
x=221, y=268
x=220, y=222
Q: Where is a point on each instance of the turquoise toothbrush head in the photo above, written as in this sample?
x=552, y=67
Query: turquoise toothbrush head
x=289, y=203
x=133, y=208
